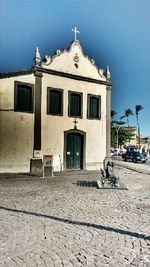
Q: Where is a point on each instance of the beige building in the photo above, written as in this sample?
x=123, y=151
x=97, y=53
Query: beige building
x=144, y=144
x=61, y=107
x=133, y=140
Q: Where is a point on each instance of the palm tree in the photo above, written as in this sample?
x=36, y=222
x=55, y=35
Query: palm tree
x=128, y=112
x=113, y=133
x=116, y=125
x=137, y=110
x=113, y=114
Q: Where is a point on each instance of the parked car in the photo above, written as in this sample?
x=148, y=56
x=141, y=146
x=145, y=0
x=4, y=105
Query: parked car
x=132, y=148
x=134, y=156
x=117, y=152
x=129, y=149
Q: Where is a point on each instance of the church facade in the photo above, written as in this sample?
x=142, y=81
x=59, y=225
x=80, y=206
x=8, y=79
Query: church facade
x=60, y=108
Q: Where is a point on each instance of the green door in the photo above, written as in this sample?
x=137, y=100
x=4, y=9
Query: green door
x=74, y=151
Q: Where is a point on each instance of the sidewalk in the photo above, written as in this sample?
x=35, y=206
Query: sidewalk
x=139, y=167
x=55, y=223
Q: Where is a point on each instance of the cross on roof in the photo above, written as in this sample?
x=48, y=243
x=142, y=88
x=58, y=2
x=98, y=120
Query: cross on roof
x=75, y=122
x=75, y=32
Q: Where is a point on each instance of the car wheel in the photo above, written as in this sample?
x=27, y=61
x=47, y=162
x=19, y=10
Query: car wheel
x=134, y=160
x=125, y=159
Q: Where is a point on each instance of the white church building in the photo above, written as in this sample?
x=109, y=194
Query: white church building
x=60, y=109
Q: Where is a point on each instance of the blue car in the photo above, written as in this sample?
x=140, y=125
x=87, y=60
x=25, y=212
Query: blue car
x=134, y=156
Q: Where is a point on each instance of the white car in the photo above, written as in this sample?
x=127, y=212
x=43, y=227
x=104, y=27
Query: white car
x=117, y=152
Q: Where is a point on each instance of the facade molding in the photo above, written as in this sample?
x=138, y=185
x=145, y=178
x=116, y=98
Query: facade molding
x=16, y=73
x=37, y=71
x=73, y=76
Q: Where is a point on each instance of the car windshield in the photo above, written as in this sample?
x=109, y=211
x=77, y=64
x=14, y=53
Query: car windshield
x=138, y=154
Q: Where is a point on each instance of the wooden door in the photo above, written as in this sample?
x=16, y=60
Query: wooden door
x=74, y=151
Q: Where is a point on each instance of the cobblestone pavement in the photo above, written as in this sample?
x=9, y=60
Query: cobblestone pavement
x=54, y=223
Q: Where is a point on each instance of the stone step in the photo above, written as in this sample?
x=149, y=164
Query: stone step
x=75, y=172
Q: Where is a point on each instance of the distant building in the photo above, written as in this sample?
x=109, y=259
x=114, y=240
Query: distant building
x=144, y=143
x=129, y=141
x=61, y=107
x=133, y=140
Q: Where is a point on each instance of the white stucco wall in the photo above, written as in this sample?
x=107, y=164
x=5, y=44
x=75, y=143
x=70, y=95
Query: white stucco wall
x=53, y=127
x=16, y=129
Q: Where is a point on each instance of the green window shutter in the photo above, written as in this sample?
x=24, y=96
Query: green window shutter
x=94, y=107
x=24, y=98
x=75, y=105
x=54, y=102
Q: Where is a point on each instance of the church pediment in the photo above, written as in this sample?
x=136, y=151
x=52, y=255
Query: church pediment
x=73, y=61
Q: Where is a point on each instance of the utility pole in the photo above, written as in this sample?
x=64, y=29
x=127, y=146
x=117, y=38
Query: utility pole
x=117, y=130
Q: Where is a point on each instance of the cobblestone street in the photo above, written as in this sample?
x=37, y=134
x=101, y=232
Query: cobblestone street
x=54, y=223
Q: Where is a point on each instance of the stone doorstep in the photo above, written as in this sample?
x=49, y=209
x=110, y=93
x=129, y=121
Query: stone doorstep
x=120, y=186
x=75, y=172
x=98, y=184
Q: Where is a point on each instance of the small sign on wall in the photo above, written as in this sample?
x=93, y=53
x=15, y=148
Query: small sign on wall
x=48, y=160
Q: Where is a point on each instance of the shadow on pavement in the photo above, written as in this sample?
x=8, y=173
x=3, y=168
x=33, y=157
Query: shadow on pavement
x=99, y=227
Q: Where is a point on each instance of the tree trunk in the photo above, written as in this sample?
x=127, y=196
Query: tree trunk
x=128, y=129
x=138, y=130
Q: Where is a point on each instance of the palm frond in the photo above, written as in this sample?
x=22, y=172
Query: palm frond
x=138, y=108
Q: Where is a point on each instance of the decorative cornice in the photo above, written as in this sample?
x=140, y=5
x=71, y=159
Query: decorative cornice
x=73, y=76
x=109, y=87
x=15, y=73
x=38, y=71
x=49, y=59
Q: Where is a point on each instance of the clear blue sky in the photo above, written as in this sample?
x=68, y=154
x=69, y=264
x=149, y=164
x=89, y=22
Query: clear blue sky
x=113, y=32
